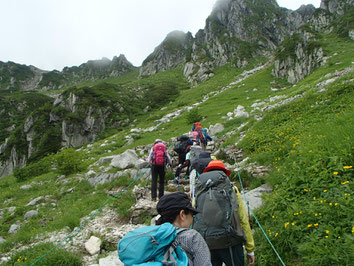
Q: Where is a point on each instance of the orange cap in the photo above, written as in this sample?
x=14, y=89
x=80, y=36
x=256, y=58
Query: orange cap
x=217, y=165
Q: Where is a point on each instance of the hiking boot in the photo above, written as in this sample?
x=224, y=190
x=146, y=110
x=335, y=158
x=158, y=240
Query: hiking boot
x=154, y=199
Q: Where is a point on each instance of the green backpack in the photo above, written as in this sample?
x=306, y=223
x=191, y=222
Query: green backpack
x=218, y=221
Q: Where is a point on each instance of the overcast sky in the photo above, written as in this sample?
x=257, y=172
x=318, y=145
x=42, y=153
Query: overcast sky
x=52, y=34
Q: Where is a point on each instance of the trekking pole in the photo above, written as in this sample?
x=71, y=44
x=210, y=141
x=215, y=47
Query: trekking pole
x=178, y=182
x=192, y=176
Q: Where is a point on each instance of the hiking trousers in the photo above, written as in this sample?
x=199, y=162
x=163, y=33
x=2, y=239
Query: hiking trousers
x=157, y=172
x=232, y=256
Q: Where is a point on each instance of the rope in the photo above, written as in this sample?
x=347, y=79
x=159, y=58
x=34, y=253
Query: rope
x=249, y=208
x=79, y=229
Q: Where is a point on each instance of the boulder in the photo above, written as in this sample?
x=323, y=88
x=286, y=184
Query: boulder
x=13, y=229
x=254, y=197
x=240, y=111
x=93, y=245
x=127, y=159
x=35, y=201
x=30, y=214
x=217, y=128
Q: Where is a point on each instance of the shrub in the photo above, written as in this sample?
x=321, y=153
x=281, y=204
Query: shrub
x=69, y=161
x=32, y=170
x=193, y=116
x=56, y=257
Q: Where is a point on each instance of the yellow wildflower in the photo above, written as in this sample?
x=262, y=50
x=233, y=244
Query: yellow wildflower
x=316, y=214
x=335, y=173
x=325, y=190
x=320, y=214
x=326, y=236
x=286, y=225
x=305, y=190
x=300, y=212
x=309, y=225
x=309, y=190
x=336, y=204
x=339, y=237
x=348, y=167
x=294, y=224
x=273, y=216
x=276, y=235
x=353, y=229
x=345, y=182
x=316, y=225
x=314, y=198
x=330, y=204
x=327, y=232
x=321, y=201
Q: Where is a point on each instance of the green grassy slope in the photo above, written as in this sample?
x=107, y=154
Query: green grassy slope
x=307, y=144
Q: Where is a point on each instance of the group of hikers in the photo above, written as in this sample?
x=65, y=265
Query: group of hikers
x=208, y=227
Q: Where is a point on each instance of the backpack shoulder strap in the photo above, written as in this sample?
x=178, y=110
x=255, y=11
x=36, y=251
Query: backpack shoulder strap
x=168, y=257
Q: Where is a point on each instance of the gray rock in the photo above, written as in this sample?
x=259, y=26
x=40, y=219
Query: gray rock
x=104, y=160
x=111, y=260
x=5, y=259
x=12, y=210
x=254, y=197
x=93, y=245
x=90, y=173
x=140, y=164
x=13, y=229
x=217, y=128
x=125, y=160
x=2, y=240
x=30, y=214
x=240, y=111
x=25, y=187
x=35, y=201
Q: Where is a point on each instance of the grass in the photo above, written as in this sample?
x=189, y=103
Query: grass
x=307, y=144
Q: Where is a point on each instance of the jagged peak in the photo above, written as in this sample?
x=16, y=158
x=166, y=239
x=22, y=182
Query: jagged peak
x=306, y=10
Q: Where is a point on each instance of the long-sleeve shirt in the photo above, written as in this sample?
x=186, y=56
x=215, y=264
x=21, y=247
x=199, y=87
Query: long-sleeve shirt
x=195, y=246
x=245, y=223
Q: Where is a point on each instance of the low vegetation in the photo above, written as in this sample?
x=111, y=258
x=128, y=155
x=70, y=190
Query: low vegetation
x=307, y=144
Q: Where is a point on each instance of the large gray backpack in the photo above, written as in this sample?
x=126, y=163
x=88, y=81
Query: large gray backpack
x=218, y=221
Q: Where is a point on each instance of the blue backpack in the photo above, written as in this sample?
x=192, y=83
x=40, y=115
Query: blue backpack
x=152, y=246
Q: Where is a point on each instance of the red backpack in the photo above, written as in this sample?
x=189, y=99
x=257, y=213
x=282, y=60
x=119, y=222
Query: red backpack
x=158, y=156
x=197, y=126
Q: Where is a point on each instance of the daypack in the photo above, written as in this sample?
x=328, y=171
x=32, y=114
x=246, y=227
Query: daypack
x=194, y=154
x=154, y=245
x=158, y=156
x=218, y=221
x=202, y=162
x=194, y=136
x=181, y=144
x=200, y=136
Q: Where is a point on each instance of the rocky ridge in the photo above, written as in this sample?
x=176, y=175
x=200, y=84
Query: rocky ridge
x=16, y=77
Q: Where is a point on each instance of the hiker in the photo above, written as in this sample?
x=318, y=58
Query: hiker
x=158, y=158
x=181, y=148
x=176, y=208
x=206, y=136
x=216, y=198
x=192, y=154
x=197, y=133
